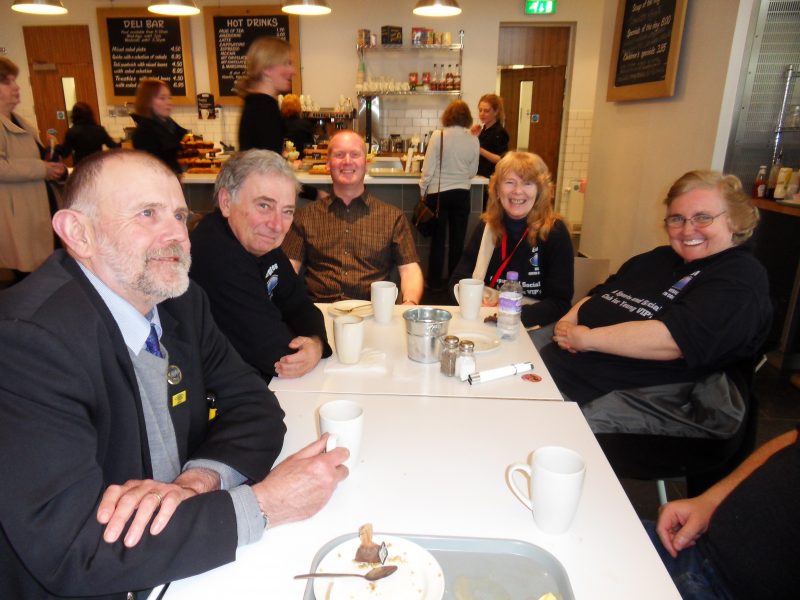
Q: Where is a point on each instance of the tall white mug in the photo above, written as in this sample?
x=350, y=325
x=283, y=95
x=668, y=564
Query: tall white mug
x=345, y=420
x=348, y=337
x=555, y=478
x=469, y=293
x=383, y=295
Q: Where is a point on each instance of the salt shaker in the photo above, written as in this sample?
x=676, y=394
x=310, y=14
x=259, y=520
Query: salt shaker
x=447, y=359
x=465, y=363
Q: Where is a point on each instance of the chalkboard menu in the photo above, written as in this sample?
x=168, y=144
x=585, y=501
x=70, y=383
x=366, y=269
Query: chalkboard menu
x=646, y=48
x=137, y=44
x=231, y=29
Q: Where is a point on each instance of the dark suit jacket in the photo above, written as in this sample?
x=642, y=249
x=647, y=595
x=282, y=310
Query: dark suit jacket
x=71, y=424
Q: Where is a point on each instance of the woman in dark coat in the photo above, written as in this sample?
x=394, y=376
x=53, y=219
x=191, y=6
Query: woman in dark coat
x=85, y=137
x=156, y=132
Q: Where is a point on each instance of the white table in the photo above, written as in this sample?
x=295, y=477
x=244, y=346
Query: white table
x=436, y=466
x=397, y=374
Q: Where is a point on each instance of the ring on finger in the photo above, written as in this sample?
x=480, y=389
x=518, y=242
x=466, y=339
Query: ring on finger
x=157, y=495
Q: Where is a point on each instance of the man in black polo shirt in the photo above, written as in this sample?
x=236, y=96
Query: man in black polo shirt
x=739, y=538
x=257, y=299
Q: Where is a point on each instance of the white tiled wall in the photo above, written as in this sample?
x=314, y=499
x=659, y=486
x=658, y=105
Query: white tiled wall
x=574, y=166
x=225, y=128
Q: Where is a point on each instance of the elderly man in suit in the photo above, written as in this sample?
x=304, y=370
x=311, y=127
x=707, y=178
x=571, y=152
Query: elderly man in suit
x=118, y=475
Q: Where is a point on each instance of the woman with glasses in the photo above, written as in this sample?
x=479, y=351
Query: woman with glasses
x=678, y=313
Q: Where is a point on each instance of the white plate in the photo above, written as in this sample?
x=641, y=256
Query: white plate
x=482, y=341
x=358, y=308
x=418, y=577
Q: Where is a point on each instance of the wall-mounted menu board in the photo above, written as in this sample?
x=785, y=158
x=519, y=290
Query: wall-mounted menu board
x=647, y=45
x=229, y=32
x=135, y=44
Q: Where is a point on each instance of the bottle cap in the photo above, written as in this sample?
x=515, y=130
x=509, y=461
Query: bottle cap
x=513, y=276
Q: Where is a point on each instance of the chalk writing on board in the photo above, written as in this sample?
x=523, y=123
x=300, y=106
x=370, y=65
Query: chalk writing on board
x=142, y=47
x=645, y=41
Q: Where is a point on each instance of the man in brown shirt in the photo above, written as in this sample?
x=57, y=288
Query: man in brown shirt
x=351, y=239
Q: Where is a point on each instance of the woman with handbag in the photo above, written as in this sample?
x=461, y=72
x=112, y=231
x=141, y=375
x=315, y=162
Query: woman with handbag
x=521, y=232
x=451, y=160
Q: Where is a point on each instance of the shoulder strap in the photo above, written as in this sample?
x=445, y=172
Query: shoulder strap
x=484, y=254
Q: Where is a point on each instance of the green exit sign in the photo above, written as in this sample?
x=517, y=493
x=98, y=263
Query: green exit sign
x=540, y=7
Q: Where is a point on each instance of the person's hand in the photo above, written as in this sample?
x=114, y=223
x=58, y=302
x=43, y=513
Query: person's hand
x=55, y=170
x=309, y=352
x=682, y=522
x=475, y=129
x=570, y=336
x=145, y=497
x=489, y=301
x=301, y=485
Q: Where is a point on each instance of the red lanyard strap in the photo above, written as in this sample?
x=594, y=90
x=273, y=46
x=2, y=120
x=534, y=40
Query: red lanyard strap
x=506, y=259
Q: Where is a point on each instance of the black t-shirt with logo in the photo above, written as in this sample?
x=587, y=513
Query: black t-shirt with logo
x=717, y=310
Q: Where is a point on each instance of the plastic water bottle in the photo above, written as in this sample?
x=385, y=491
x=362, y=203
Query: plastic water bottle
x=510, y=307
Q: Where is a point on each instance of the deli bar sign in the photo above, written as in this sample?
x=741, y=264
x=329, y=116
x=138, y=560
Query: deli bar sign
x=136, y=44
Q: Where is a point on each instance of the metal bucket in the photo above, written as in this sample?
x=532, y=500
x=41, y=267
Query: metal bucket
x=425, y=328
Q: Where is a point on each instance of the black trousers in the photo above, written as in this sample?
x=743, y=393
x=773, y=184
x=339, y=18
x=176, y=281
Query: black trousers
x=453, y=218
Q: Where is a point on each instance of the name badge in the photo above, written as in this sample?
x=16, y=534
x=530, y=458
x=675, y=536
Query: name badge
x=178, y=398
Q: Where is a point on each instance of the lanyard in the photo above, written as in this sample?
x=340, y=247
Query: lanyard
x=506, y=259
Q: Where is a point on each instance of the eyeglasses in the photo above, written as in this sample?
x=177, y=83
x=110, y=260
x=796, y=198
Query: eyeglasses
x=700, y=220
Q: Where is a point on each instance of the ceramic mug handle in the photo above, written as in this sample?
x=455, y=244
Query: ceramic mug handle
x=455, y=293
x=522, y=496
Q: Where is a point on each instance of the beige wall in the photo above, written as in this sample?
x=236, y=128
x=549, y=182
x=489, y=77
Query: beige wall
x=639, y=148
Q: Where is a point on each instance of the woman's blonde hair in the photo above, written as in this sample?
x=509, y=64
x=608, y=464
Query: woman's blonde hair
x=147, y=90
x=496, y=102
x=291, y=107
x=263, y=53
x=528, y=167
x=742, y=215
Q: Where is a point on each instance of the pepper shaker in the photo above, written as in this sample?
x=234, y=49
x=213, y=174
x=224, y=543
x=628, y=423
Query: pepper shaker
x=447, y=359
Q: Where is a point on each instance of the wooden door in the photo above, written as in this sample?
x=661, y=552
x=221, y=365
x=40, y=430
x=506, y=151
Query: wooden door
x=542, y=116
x=55, y=53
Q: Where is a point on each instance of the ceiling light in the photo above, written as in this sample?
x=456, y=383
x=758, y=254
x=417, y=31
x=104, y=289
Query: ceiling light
x=174, y=8
x=306, y=7
x=437, y=8
x=39, y=7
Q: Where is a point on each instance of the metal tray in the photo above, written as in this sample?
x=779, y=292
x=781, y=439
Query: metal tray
x=488, y=567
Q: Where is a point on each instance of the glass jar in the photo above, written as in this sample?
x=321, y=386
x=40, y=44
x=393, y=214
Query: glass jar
x=447, y=358
x=465, y=363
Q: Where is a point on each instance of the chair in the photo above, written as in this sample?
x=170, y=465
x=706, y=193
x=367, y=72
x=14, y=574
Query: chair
x=588, y=273
x=702, y=462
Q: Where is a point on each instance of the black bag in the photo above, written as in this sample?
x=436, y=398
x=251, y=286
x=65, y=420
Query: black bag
x=425, y=218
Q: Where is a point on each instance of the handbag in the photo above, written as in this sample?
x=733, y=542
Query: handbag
x=426, y=219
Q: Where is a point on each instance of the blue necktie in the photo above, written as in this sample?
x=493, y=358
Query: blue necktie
x=151, y=343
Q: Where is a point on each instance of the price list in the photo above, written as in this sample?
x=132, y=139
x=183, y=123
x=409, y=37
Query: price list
x=146, y=47
x=645, y=41
x=233, y=36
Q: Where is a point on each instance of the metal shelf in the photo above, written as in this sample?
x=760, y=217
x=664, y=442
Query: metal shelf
x=409, y=93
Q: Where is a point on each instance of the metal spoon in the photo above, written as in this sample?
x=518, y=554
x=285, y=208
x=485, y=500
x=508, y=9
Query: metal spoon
x=371, y=575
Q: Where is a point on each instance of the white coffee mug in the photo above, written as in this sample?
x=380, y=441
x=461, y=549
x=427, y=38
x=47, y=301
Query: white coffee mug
x=383, y=295
x=348, y=337
x=469, y=293
x=555, y=482
x=343, y=419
